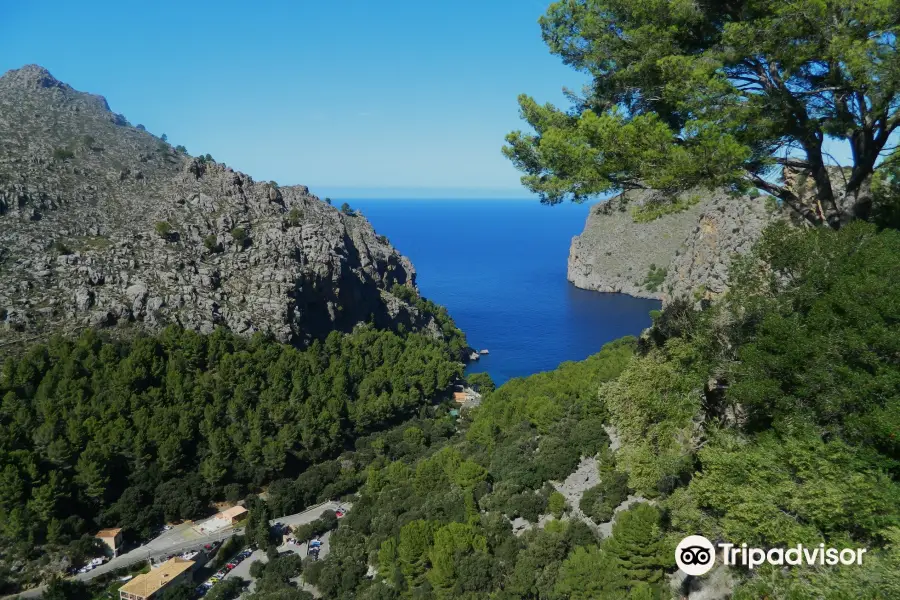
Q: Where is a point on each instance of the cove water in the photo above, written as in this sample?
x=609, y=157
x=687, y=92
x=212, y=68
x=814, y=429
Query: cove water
x=499, y=266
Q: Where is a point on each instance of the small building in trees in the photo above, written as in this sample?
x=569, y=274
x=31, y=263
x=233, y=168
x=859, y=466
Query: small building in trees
x=468, y=398
x=149, y=585
x=233, y=515
x=222, y=520
x=112, y=538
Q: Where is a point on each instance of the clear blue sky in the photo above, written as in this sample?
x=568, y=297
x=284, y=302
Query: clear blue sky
x=357, y=98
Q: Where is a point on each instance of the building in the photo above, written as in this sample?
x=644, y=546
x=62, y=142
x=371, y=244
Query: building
x=145, y=587
x=233, y=515
x=460, y=397
x=112, y=538
x=223, y=520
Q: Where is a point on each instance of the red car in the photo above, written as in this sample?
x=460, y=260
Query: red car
x=339, y=513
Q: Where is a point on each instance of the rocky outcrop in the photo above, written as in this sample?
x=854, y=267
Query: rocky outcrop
x=682, y=253
x=104, y=224
x=728, y=227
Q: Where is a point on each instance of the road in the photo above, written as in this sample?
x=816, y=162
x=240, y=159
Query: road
x=181, y=539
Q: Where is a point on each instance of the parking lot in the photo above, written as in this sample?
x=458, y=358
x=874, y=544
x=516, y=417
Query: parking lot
x=242, y=570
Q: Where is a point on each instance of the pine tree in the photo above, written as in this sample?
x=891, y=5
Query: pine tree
x=637, y=545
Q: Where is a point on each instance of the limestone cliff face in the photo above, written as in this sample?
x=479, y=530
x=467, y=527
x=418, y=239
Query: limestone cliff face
x=728, y=227
x=680, y=254
x=104, y=224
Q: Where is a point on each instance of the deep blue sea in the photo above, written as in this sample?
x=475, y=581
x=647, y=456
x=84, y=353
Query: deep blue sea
x=499, y=266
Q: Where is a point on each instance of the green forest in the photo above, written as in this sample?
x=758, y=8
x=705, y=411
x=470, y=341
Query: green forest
x=97, y=432
x=771, y=418
x=768, y=415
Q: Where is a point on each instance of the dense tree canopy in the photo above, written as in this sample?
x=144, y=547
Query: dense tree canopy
x=768, y=419
x=436, y=522
x=687, y=93
x=96, y=432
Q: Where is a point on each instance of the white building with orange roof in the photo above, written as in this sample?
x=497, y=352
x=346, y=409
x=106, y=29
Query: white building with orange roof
x=112, y=538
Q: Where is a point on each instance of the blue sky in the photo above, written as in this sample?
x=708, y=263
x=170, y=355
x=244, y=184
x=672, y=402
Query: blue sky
x=354, y=98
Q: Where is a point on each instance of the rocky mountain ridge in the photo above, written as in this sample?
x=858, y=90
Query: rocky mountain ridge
x=104, y=224
x=684, y=252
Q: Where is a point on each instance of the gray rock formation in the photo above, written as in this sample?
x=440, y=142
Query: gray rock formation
x=728, y=227
x=104, y=224
x=679, y=254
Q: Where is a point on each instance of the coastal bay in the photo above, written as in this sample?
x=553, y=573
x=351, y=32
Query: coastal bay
x=499, y=266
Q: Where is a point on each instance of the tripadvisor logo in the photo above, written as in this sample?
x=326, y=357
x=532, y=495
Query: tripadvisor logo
x=696, y=555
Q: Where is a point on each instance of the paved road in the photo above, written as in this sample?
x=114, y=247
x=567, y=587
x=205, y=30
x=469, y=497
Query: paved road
x=183, y=539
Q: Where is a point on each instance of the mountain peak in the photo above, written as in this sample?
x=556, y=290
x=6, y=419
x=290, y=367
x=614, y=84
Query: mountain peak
x=31, y=77
x=104, y=224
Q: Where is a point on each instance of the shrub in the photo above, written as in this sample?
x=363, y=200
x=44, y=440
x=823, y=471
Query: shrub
x=404, y=292
x=527, y=505
x=164, y=137
x=257, y=569
x=481, y=382
x=61, y=248
x=63, y=154
x=312, y=569
x=240, y=236
x=180, y=149
x=228, y=589
x=556, y=504
x=326, y=522
x=140, y=127
x=227, y=551
x=600, y=501
x=234, y=492
x=345, y=208
x=212, y=243
x=163, y=229
x=328, y=201
x=654, y=210
x=294, y=217
x=655, y=278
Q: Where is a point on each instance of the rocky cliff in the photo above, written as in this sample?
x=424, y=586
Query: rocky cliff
x=104, y=224
x=644, y=245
